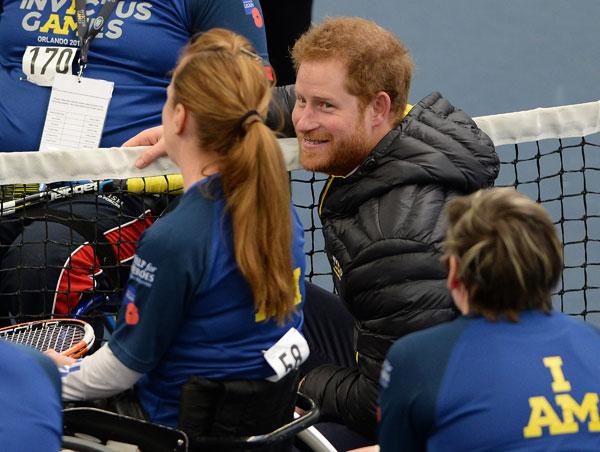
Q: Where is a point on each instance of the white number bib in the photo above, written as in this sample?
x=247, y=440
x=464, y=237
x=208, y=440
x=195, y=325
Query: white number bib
x=287, y=354
x=41, y=64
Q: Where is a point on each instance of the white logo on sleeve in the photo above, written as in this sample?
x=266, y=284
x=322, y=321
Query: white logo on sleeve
x=385, y=376
x=142, y=271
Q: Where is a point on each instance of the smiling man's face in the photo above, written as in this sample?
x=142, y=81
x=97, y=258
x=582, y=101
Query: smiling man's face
x=333, y=129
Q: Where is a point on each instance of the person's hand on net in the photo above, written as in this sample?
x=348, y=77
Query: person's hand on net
x=59, y=360
x=153, y=138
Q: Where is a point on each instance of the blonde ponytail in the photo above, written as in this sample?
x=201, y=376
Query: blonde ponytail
x=222, y=82
x=255, y=185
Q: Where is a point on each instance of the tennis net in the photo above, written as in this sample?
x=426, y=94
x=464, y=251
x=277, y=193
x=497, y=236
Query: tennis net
x=550, y=154
x=70, y=249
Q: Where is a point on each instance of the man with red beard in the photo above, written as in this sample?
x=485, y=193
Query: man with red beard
x=392, y=169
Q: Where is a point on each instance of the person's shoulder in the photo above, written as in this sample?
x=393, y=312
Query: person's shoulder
x=437, y=105
x=577, y=324
x=452, y=141
x=419, y=359
x=190, y=220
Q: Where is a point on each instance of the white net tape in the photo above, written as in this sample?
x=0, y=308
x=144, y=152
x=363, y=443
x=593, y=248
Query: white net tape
x=568, y=121
x=118, y=163
x=96, y=164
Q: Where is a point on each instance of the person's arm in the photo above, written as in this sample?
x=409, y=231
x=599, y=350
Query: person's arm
x=410, y=384
x=146, y=326
x=343, y=394
x=159, y=291
x=279, y=118
x=96, y=376
x=229, y=14
x=30, y=400
x=398, y=395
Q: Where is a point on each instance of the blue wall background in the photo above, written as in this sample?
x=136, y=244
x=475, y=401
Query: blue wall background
x=493, y=56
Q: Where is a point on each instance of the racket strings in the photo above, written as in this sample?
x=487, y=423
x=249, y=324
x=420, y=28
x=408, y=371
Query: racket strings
x=58, y=337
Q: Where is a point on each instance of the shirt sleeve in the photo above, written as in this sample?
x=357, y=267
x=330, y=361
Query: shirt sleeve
x=397, y=400
x=410, y=382
x=241, y=16
x=157, y=296
x=96, y=376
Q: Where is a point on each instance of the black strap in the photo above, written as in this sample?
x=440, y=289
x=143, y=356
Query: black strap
x=219, y=408
x=88, y=33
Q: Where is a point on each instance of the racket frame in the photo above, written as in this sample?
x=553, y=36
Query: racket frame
x=77, y=350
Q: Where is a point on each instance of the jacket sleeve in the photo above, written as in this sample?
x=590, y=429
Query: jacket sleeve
x=345, y=395
x=279, y=117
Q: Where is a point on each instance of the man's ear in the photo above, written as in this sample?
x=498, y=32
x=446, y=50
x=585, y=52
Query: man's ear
x=180, y=118
x=381, y=106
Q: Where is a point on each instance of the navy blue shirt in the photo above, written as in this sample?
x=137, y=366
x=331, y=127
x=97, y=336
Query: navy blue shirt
x=474, y=385
x=188, y=310
x=30, y=400
x=138, y=46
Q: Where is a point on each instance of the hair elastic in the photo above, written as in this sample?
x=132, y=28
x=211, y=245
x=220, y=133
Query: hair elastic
x=249, y=114
x=250, y=117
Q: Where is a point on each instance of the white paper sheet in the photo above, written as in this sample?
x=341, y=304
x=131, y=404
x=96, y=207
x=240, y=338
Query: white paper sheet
x=76, y=113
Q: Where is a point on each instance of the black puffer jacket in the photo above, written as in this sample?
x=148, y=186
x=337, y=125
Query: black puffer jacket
x=383, y=228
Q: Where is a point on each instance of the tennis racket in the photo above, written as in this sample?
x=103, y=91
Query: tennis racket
x=172, y=184
x=68, y=337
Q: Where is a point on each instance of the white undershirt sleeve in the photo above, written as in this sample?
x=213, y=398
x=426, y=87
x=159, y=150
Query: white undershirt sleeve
x=96, y=376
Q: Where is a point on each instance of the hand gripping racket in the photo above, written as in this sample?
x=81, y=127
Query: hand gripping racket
x=68, y=337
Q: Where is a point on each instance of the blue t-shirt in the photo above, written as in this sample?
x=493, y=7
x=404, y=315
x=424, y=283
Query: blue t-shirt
x=137, y=48
x=187, y=310
x=30, y=401
x=476, y=385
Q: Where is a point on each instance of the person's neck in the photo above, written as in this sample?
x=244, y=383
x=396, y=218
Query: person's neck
x=196, y=165
x=379, y=133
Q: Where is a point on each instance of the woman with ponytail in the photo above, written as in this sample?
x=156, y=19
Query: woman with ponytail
x=219, y=280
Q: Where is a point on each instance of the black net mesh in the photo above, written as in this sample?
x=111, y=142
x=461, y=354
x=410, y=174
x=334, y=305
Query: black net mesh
x=57, y=256
x=306, y=188
x=67, y=249
x=563, y=175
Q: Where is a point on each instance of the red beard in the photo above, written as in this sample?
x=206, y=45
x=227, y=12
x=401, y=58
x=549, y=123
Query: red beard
x=337, y=157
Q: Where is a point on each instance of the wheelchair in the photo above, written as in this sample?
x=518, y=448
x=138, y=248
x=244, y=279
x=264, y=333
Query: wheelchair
x=94, y=430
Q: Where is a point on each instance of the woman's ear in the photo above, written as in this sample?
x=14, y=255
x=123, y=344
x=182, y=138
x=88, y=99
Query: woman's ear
x=180, y=118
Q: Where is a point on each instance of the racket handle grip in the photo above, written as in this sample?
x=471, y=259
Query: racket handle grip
x=172, y=183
